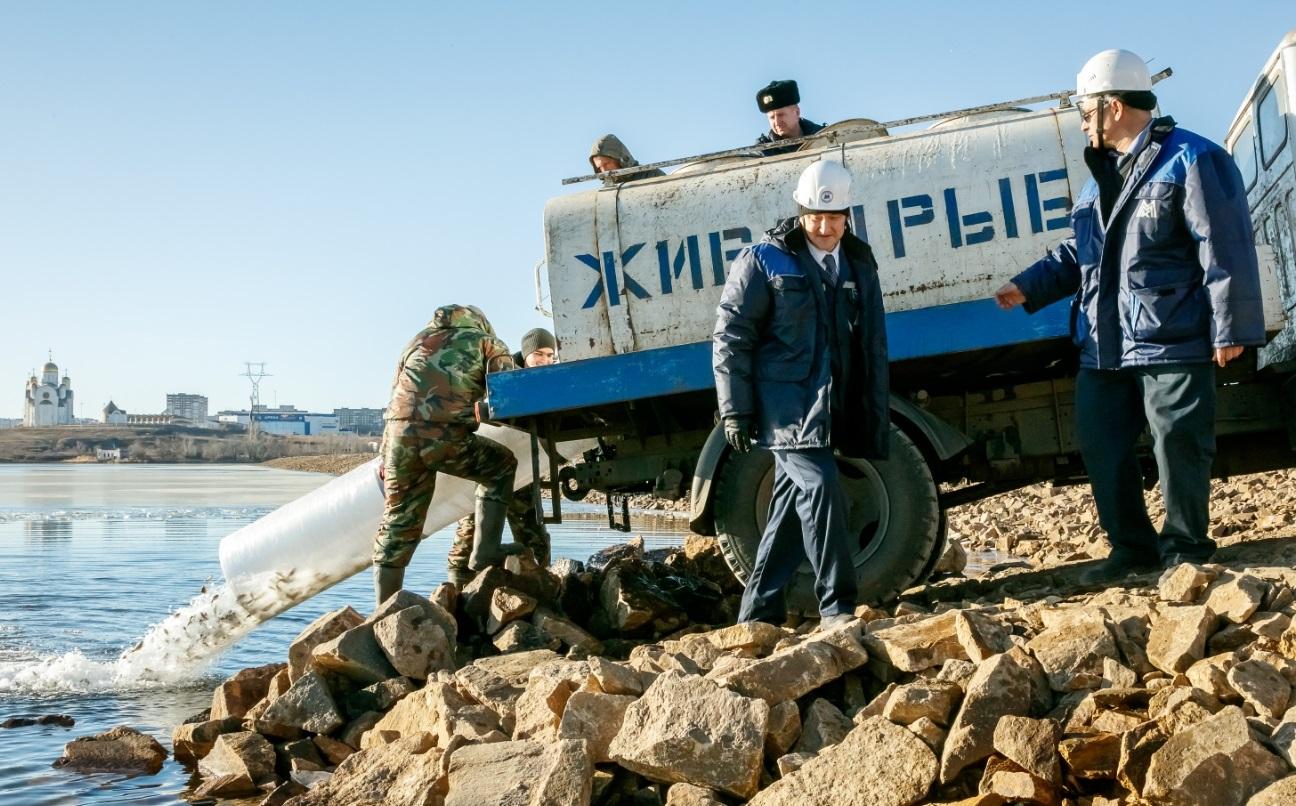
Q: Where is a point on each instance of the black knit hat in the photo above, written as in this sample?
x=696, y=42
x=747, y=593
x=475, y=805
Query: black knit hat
x=537, y=339
x=777, y=94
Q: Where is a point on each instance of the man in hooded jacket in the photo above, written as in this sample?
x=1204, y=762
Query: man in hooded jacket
x=800, y=361
x=609, y=154
x=430, y=429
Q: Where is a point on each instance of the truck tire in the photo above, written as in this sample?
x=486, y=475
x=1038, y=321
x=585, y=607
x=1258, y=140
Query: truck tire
x=893, y=512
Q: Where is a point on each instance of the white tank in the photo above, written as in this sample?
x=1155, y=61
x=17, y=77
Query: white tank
x=950, y=212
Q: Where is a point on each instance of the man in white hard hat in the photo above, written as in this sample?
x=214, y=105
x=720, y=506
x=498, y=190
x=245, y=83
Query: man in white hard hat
x=1164, y=285
x=800, y=361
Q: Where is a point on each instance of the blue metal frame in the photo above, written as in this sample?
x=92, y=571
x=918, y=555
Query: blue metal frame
x=920, y=333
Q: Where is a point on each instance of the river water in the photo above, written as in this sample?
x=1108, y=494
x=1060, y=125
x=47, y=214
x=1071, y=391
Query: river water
x=92, y=555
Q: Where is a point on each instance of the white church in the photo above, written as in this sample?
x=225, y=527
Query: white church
x=49, y=400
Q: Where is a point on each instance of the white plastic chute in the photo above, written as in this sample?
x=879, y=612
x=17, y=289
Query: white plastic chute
x=327, y=535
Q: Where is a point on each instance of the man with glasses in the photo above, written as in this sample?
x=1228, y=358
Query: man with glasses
x=1165, y=286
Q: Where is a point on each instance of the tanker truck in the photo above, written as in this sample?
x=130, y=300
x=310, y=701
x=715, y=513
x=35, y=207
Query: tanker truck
x=981, y=398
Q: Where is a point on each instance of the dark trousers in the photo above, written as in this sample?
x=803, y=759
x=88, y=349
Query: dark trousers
x=807, y=519
x=1177, y=404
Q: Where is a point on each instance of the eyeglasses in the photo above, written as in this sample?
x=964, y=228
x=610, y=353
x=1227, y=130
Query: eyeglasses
x=1085, y=116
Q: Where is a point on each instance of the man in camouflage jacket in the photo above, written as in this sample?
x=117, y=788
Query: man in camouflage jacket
x=430, y=429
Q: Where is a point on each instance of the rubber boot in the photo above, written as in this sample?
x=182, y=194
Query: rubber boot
x=387, y=581
x=487, y=550
x=459, y=575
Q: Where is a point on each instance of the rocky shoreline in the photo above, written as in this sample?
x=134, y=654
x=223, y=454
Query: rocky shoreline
x=625, y=681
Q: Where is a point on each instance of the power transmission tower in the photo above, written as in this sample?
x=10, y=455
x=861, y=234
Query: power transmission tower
x=254, y=376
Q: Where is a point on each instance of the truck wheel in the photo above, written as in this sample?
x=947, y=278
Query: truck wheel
x=894, y=515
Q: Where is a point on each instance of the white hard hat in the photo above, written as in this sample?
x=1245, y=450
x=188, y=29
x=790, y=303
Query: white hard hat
x=1113, y=71
x=824, y=187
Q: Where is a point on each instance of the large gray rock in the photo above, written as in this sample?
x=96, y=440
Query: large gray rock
x=237, y=695
x=596, y=718
x=790, y=673
x=243, y=753
x=1000, y=687
x=1073, y=655
x=567, y=631
x=1178, y=637
x=418, y=641
x=1280, y=793
x=323, y=629
x=1216, y=761
x=122, y=749
x=823, y=725
x=308, y=705
x=931, y=699
x=1184, y=583
x=1262, y=686
x=877, y=764
x=917, y=645
x=355, y=655
x=406, y=772
x=1235, y=598
x=1030, y=744
x=685, y=728
x=1283, y=738
x=521, y=772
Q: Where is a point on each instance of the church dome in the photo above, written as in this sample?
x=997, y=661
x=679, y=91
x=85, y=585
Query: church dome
x=50, y=366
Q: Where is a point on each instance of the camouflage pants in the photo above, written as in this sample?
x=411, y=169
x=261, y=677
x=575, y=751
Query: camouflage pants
x=413, y=455
x=523, y=522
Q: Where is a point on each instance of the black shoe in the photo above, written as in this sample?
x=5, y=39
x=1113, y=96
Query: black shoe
x=1172, y=560
x=1115, y=567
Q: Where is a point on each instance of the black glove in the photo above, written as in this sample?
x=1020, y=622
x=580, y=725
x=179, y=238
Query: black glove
x=738, y=431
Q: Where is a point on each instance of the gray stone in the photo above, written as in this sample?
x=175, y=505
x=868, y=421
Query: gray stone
x=783, y=730
x=1001, y=687
x=1184, y=583
x=566, y=631
x=1234, y=599
x=1262, y=686
x=1216, y=761
x=243, y=753
x=355, y=655
x=523, y=636
x=523, y=772
x=321, y=630
x=1280, y=793
x=1073, y=655
x=1178, y=637
x=1030, y=744
x=822, y=725
x=596, y=718
x=1283, y=738
x=418, y=641
x=379, y=696
x=122, y=749
x=688, y=729
x=877, y=764
x=307, y=704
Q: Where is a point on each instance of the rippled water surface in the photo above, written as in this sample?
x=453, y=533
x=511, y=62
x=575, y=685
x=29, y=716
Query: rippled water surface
x=92, y=555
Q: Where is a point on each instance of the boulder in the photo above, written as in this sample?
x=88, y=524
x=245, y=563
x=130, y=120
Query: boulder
x=688, y=729
x=418, y=641
x=1216, y=761
x=596, y=718
x=691, y=795
x=877, y=764
x=506, y=605
x=931, y=733
x=930, y=699
x=540, y=706
x=917, y=645
x=243, y=753
x=1184, y=583
x=1000, y=687
x=522, y=772
x=822, y=725
x=193, y=740
x=1280, y=793
x=355, y=655
x=523, y=636
x=614, y=678
x=790, y=673
x=1073, y=655
x=980, y=635
x=1030, y=744
x=321, y=630
x=1178, y=637
x=406, y=772
x=236, y=696
x=783, y=730
x=307, y=704
x=1091, y=757
x=378, y=696
x=1261, y=686
x=753, y=638
x=122, y=749
x=434, y=709
x=631, y=598
x=498, y=681
x=1283, y=738
x=953, y=559
x=1236, y=597
x=1117, y=675
x=568, y=632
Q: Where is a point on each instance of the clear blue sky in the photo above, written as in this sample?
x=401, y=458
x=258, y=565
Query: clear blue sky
x=188, y=185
